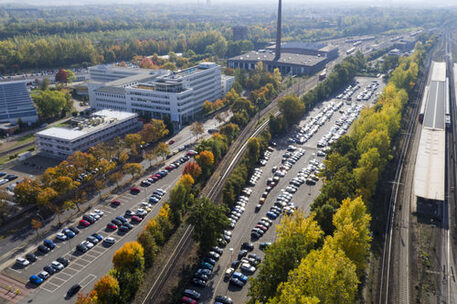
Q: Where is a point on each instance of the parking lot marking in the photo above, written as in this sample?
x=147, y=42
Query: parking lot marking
x=92, y=254
x=71, y=270
x=17, y=270
x=54, y=279
x=84, y=282
x=81, y=261
x=51, y=289
x=77, y=262
x=65, y=275
x=98, y=250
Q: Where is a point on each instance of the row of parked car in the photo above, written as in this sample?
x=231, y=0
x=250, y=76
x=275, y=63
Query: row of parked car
x=5, y=178
x=349, y=91
x=162, y=173
x=368, y=91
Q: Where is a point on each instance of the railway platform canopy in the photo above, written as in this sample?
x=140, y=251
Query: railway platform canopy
x=429, y=174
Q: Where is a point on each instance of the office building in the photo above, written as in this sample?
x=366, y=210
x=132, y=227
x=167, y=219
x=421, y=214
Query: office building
x=15, y=103
x=157, y=93
x=85, y=132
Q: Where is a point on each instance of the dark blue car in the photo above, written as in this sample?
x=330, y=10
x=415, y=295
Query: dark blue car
x=50, y=244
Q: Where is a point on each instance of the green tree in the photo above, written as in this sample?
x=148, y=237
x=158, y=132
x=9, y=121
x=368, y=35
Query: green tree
x=292, y=109
x=209, y=221
x=51, y=104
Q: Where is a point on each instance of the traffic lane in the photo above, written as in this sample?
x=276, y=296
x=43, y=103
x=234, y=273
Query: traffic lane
x=87, y=268
x=128, y=201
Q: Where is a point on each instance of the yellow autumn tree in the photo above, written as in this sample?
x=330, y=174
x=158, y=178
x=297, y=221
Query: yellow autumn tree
x=352, y=233
x=107, y=289
x=326, y=274
x=187, y=181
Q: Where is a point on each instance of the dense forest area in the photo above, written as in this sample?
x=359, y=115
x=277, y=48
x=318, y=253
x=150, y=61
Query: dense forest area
x=44, y=38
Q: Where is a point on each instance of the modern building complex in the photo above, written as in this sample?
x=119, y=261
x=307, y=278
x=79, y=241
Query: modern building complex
x=290, y=58
x=15, y=103
x=429, y=174
x=104, y=125
x=157, y=93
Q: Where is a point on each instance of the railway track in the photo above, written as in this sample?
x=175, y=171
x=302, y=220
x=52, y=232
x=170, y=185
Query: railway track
x=386, y=281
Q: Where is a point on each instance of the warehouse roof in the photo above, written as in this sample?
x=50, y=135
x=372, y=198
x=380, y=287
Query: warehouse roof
x=287, y=58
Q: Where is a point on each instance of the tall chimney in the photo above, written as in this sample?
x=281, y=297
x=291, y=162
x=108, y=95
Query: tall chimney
x=278, y=32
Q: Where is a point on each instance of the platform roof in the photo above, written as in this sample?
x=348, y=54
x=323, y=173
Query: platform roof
x=429, y=177
x=436, y=106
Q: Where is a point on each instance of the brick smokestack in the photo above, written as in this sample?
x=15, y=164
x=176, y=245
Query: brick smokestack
x=278, y=32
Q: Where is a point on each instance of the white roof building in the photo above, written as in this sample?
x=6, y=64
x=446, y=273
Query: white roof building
x=101, y=126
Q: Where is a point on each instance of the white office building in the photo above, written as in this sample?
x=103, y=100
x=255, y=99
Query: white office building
x=157, y=93
x=101, y=126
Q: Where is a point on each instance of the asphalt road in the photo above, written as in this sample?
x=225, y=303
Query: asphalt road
x=302, y=198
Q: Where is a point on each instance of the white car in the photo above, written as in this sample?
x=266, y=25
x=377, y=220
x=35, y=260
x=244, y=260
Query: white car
x=88, y=244
x=61, y=236
x=146, y=204
x=141, y=212
x=95, y=216
x=109, y=240
x=56, y=265
x=22, y=262
x=44, y=275
x=3, y=181
x=248, y=268
x=99, y=212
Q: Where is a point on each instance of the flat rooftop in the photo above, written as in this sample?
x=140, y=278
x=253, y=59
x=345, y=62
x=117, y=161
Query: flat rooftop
x=109, y=117
x=438, y=71
x=436, y=106
x=286, y=58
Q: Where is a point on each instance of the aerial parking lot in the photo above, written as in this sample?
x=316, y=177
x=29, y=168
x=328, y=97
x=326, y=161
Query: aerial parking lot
x=81, y=253
x=297, y=157
x=286, y=179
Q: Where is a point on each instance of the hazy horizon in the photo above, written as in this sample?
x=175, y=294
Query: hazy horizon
x=347, y=4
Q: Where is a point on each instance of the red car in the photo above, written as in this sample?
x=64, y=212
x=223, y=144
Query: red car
x=136, y=219
x=169, y=168
x=111, y=226
x=188, y=300
x=134, y=190
x=115, y=202
x=84, y=223
x=171, y=142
